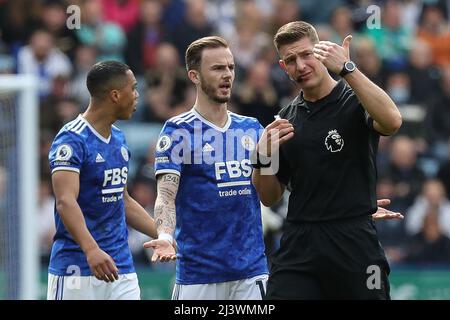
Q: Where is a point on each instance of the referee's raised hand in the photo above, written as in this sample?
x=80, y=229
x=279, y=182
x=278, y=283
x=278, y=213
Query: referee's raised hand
x=332, y=55
x=274, y=135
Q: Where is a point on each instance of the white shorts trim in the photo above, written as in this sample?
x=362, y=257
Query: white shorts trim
x=246, y=289
x=90, y=288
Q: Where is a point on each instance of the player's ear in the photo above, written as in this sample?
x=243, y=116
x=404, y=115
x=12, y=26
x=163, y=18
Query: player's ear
x=194, y=76
x=114, y=95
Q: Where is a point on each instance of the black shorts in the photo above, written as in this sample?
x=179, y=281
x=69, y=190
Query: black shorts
x=329, y=260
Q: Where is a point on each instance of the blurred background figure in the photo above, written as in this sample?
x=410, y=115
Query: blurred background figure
x=433, y=196
x=430, y=246
x=41, y=58
x=107, y=38
x=46, y=227
x=404, y=172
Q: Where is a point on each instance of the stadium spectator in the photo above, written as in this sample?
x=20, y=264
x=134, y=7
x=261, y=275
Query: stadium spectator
x=256, y=96
x=341, y=24
x=18, y=20
x=431, y=246
x=145, y=38
x=46, y=227
x=247, y=46
x=437, y=119
x=194, y=25
x=124, y=13
x=392, y=40
x=53, y=19
x=42, y=59
x=368, y=60
x=168, y=91
x=424, y=76
x=434, y=30
x=398, y=87
x=444, y=175
x=404, y=171
x=107, y=37
x=432, y=196
x=85, y=57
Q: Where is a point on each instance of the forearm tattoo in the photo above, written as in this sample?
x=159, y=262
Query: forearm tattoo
x=165, y=212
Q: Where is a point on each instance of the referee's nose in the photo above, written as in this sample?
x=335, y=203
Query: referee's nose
x=300, y=63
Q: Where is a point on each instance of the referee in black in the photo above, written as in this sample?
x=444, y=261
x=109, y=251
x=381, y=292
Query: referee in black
x=325, y=147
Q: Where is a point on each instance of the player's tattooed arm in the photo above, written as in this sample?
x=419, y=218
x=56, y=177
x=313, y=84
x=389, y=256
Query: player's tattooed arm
x=165, y=218
x=165, y=212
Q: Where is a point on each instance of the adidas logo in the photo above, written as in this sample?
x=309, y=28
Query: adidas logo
x=99, y=158
x=207, y=148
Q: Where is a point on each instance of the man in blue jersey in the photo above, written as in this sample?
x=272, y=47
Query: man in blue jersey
x=89, y=158
x=205, y=195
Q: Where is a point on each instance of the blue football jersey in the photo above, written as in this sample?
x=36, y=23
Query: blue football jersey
x=219, y=230
x=102, y=165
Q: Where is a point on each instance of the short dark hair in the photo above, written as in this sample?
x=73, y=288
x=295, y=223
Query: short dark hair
x=104, y=75
x=194, y=51
x=294, y=31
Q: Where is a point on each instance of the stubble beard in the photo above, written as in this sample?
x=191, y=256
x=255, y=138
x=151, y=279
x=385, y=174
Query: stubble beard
x=210, y=92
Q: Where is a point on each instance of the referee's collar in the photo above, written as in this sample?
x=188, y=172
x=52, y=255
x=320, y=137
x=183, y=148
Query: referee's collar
x=333, y=96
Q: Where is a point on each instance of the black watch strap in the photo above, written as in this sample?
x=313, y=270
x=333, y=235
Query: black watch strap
x=259, y=161
x=349, y=66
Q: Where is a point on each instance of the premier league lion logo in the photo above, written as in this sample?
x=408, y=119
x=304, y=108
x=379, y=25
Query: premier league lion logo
x=334, y=141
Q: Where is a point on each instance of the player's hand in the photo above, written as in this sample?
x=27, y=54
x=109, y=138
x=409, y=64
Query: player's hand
x=162, y=250
x=384, y=214
x=332, y=55
x=274, y=135
x=102, y=265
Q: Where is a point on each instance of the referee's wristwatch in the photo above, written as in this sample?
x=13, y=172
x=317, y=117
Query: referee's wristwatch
x=349, y=67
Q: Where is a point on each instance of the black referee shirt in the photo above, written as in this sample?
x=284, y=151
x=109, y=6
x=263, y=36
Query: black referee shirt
x=330, y=163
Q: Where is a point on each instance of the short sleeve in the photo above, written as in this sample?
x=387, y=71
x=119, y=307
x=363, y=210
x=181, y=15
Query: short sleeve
x=66, y=153
x=169, y=154
x=369, y=123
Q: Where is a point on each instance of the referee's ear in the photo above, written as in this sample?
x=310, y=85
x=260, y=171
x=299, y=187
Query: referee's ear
x=194, y=76
x=282, y=65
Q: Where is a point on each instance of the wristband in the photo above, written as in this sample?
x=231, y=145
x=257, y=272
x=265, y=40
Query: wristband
x=165, y=236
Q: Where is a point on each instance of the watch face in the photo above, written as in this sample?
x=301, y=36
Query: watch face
x=350, y=66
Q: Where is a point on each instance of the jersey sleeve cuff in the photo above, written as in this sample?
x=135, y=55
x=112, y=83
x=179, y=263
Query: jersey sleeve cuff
x=66, y=169
x=162, y=171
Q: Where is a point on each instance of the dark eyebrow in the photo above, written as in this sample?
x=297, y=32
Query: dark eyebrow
x=301, y=52
x=222, y=65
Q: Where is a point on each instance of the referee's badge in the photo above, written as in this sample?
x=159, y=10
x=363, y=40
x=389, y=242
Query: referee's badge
x=248, y=143
x=334, y=141
x=124, y=152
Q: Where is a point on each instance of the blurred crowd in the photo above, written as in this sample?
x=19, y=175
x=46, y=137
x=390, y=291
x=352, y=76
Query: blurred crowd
x=407, y=54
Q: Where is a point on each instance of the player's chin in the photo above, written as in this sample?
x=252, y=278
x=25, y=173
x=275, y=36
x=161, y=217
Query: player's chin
x=127, y=116
x=223, y=98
